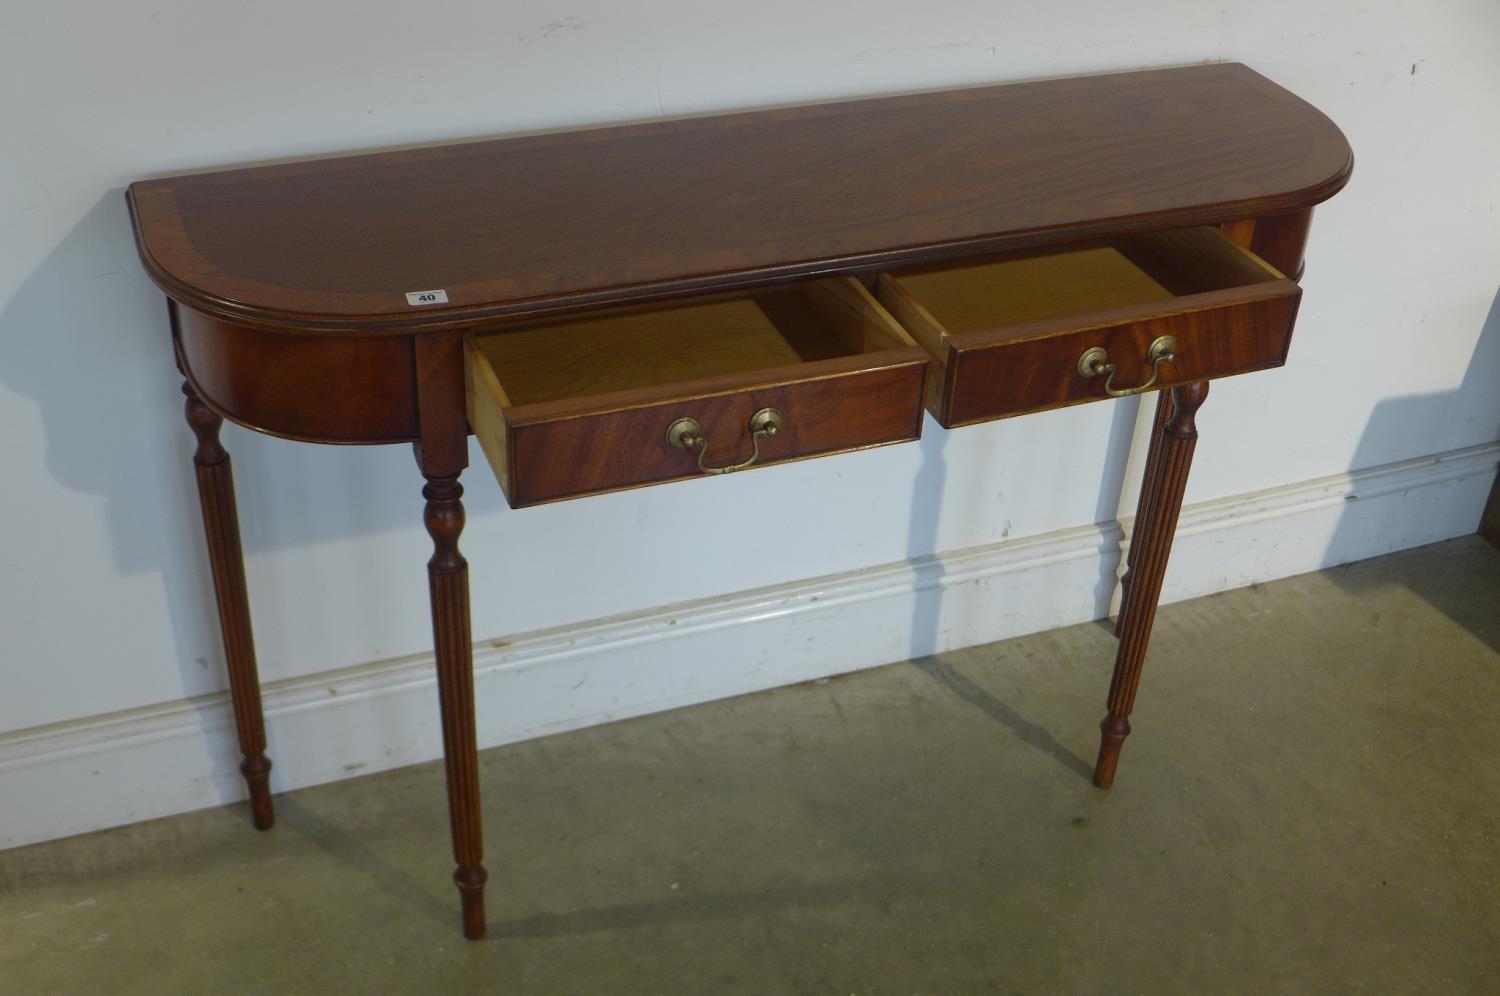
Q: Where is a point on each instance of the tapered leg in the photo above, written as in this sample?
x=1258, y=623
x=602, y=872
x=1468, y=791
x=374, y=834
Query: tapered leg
x=1149, y=549
x=1144, y=506
x=448, y=580
x=221, y=525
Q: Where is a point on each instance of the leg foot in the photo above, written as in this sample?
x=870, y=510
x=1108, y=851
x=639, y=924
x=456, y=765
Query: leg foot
x=471, y=894
x=257, y=772
x=1113, y=731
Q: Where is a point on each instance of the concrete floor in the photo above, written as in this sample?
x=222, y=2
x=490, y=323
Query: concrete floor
x=1310, y=802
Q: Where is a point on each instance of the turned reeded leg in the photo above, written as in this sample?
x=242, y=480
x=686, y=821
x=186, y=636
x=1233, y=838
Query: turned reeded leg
x=221, y=525
x=1144, y=506
x=1150, y=547
x=448, y=579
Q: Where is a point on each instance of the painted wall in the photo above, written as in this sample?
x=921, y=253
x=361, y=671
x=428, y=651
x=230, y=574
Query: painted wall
x=104, y=597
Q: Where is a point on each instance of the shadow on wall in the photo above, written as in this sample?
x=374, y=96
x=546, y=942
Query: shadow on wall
x=86, y=337
x=927, y=501
x=74, y=338
x=922, y=537
x=1405, y=420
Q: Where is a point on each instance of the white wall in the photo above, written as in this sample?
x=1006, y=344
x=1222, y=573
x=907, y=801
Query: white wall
x=104, y=593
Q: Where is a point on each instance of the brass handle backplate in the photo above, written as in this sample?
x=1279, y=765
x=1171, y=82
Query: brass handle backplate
x=1095, y=361
x=686, y=434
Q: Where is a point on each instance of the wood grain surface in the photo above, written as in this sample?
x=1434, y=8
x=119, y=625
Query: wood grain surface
x=543, y=223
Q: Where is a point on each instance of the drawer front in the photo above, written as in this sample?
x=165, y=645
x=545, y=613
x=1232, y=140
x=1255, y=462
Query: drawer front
x=565, y=457
x=622, y=398
x=1217, y=334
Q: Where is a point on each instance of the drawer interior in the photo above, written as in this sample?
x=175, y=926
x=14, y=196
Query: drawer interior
x=656, y=345
x=584, y=404
x=993, y=295
x=1010, y=334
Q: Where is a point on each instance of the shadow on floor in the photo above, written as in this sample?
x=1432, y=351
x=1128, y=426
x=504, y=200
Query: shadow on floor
x=347, y=849
x=691, y=909
x=1407, y=423
x=1025, y=731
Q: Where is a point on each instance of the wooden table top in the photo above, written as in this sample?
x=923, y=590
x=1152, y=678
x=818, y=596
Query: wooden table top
x=522, y=226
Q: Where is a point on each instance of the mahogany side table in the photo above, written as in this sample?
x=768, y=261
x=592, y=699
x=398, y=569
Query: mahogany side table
x=630, y=305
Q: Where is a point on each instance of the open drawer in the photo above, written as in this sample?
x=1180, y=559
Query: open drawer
x=1025, y=333
x=621, y=398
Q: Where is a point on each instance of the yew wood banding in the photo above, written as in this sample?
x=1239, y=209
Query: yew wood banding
x=540, y=224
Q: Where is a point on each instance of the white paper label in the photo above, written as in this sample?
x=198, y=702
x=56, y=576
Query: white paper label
x=419, y=298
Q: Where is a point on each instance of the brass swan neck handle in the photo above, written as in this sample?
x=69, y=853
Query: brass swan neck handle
x=1095, y=361
x=686, y=434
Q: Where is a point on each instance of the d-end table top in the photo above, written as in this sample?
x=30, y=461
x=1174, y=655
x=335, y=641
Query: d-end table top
x=524, y=226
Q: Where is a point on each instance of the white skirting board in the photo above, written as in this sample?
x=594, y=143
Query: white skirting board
x=120, y=768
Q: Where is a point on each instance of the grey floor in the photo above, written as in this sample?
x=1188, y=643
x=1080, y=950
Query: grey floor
x=1310, y=802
